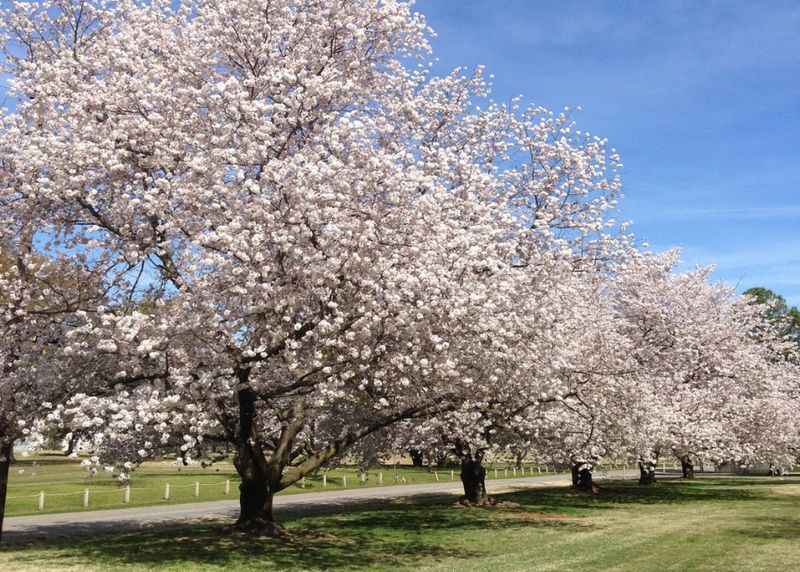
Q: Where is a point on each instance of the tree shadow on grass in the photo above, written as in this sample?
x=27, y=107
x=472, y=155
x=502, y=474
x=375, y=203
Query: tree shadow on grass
x=621, y=494
x=745, y=481
x=770, y=528
x=372, y=533
x=391, y=535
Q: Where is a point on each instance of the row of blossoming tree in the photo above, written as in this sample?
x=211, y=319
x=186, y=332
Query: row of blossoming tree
x=267, y=224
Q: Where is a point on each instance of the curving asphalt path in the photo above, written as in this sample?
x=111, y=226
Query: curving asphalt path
x=72, y=524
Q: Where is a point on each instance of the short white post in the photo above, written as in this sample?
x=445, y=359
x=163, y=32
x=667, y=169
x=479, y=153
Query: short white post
x=363, y=478
x=228, y=487
x=196, y=488
x=344, y=482
x=505, y=472
x=86, y=498
x=380, y=478
x=495, y=473
x=452, y=475
x=166, y=491
x=324, y=479
x=436, y=474
x=126, y=496
x=40, y=504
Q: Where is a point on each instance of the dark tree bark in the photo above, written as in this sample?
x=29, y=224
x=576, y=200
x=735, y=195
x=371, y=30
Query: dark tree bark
x=647, y=472
x=417, y=457
x=582, y=477
x=687, y=467
x=6, y=454
x=775, y=470
x=73, y=442
x=257, y=487
x=473, y=478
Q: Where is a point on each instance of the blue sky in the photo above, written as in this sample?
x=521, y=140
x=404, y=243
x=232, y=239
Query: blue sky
x=702, y=99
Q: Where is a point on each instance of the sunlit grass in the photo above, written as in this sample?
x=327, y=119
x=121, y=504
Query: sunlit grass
x=724, y=524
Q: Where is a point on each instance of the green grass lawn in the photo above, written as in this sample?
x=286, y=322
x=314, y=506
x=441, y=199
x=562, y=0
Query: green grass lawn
x=64, y=481
x=709, y=524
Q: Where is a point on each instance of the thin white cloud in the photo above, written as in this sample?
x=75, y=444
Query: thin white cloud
x=787, y=211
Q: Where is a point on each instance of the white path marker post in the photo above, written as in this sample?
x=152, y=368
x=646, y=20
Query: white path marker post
x=324, y=479
x=228, y=487
x=452, y=475
x=380, y=478
x=196, y=489
x=85, y=498
x=436, y=474
x=344, y=482
x=166, y=491
x=40, y=501
x=126, y=496
x=495, y=473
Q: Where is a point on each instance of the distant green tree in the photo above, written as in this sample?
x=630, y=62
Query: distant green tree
x=779, y=311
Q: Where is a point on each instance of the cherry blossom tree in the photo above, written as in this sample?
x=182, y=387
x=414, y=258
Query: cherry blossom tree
x=300, y=261
x=273, y=230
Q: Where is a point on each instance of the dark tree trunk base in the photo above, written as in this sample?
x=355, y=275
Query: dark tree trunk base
x=647, y=473
x=6, y=455
x=261, y=527
x=417, y=457
x=687, y=467
x=473, y=477
x=484, y=502
x=582, y=479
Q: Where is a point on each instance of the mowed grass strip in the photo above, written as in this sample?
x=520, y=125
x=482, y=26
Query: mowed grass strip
x=64, y=481
x=723, y=524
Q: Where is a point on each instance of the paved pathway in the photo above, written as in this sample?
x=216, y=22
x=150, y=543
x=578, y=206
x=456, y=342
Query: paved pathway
x=69, y=524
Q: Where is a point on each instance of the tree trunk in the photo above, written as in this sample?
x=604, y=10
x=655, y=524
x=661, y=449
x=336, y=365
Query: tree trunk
x=687, y=467
x=73, y=442
x=647, y=472
x=6, y=454
x=582, y=477
x=473, y=477
x=417, y=457
x=256, y=489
